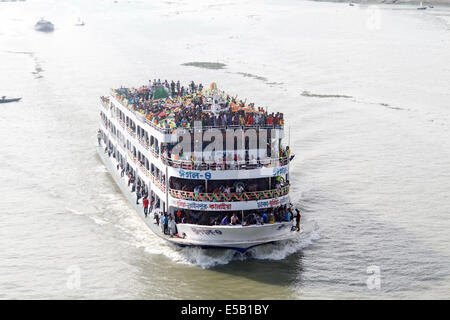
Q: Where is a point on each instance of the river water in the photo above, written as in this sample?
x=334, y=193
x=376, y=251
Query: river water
x=365, y=91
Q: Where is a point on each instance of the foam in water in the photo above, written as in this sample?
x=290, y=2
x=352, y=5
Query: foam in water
x=205, y=258
x=97, y=220
x=208, y=258
x=281, y=250
x=74, y=211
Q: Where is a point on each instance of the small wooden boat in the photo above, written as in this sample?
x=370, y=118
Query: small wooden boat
x=80, y=23
x=4, y=100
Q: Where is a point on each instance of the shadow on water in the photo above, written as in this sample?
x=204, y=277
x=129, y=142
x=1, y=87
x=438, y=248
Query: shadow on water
x=283, y=272
x=240, y=278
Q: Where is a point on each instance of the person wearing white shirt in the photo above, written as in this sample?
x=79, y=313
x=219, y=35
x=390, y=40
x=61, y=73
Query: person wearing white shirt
x=240, y=188
x=161, y=223
x=172, y=226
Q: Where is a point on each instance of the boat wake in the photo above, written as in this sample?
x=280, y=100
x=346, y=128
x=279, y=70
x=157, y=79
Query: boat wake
x=210, y=258
x=281, y=250
x=38, y=70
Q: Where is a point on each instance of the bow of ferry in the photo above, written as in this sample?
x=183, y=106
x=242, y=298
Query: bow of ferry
x=130, y=141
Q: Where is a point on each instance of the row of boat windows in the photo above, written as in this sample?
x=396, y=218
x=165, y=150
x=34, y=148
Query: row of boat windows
x=283, y=213
x=228, y=186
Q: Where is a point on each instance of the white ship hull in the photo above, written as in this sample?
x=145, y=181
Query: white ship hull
x=240, y=238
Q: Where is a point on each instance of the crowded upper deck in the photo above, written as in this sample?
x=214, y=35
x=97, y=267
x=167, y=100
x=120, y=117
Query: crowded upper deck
x=169, y=105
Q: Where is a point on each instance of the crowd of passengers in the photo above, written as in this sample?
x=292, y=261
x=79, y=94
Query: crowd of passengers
x=187, y=104
x=168, y=222
x=279, y=214
x=227, y=187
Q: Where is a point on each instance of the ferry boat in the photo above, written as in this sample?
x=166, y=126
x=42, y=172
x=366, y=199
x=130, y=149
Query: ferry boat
x=44, y=26
x=233, y=198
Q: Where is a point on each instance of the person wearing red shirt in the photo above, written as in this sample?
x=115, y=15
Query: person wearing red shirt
x=145, y=203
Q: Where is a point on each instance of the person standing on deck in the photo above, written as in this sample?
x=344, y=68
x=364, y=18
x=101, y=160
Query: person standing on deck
x=265, y=217
x=178, y=216
x=145, y=204
x=172, y=227
x=156, y=216
x=138, y=194
x=271, y=218
x=161, y=221
x=287, y=216
x=297, y=219
x=99, y=138
x=165, y=224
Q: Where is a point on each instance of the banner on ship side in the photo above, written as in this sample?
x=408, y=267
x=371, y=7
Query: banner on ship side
x=229, y=206
x=228, y=174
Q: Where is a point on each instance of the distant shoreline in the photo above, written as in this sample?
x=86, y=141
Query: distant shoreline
x=443, y=3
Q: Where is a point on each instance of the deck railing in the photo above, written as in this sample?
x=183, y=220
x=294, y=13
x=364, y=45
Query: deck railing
x=132, y=157
x=143, y=142
x=144, y=169
x=159, y=183
x=234, y=196
x=122, y=123
x=227, y=165
x=131, y=132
